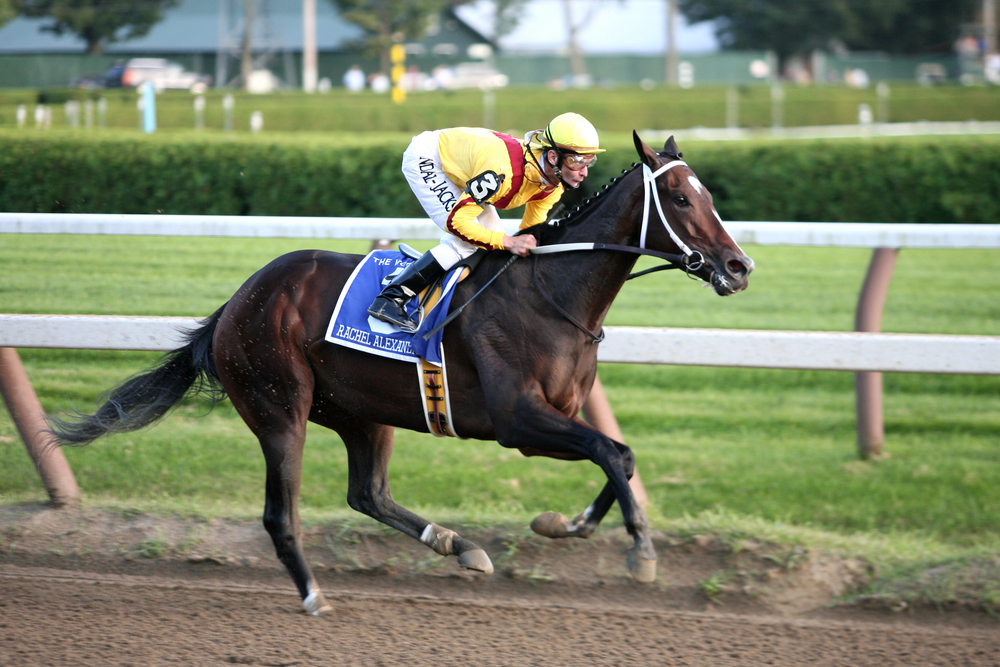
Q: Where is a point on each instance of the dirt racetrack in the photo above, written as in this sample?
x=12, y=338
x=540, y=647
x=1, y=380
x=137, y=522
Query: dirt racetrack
x=99, y=588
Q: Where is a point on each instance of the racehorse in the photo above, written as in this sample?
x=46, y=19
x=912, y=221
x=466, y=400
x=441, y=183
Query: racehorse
x=521, y=357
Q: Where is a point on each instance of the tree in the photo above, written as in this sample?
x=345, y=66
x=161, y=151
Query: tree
x=799, y=26
x=506, y=17
x=6, y=11
x=573, y=28
x=387, y=22
x=98, y=22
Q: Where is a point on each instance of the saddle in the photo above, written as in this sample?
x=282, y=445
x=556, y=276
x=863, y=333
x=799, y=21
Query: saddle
x=351, y=326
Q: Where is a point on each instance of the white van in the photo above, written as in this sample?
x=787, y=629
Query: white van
x=162, y=73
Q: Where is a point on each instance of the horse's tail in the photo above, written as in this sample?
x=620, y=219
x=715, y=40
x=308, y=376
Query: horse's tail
x=145, y=398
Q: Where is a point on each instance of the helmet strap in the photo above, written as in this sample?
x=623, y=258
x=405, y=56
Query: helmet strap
x=558, y=166
x=559, y=156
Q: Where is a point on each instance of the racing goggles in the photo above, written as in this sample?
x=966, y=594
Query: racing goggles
x=576, y=162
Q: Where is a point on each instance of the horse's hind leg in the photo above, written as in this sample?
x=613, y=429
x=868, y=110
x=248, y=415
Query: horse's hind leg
x=275, y=401
x=369, y=447
x=283, y=454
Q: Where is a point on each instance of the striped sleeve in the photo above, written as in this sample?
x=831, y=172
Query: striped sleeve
x=462, y=223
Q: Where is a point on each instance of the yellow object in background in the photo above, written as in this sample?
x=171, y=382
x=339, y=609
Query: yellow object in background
x=397, y=54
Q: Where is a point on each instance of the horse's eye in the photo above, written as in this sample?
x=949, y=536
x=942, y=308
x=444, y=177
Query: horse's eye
x=681, y=200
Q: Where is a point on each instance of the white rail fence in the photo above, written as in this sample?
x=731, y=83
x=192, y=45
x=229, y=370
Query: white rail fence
x=733, y=348
x=846, y=234
x=866, y=352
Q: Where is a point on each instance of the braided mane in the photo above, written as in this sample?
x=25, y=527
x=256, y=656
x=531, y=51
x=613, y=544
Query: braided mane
x=556, y=227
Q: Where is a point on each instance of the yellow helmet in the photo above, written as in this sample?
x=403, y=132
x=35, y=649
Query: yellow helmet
x=571, y=132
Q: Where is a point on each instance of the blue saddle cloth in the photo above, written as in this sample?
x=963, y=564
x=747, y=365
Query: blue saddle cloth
x=352, y=326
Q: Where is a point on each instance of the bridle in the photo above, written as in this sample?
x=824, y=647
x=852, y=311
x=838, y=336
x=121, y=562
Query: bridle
x=693, y=260
x=690, y=260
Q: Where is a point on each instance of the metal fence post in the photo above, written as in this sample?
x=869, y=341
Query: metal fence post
x=868, y=385
x=26, y=411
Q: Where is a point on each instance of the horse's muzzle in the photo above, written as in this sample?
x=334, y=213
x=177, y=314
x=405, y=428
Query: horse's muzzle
x=732, y=275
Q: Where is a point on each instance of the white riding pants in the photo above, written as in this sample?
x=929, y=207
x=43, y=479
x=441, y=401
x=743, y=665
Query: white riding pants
x=438, y=196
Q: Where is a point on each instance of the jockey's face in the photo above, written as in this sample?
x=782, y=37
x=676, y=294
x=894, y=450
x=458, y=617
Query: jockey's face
x=572, y=175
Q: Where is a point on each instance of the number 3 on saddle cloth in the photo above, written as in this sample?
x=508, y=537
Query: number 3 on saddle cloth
x=352, y=326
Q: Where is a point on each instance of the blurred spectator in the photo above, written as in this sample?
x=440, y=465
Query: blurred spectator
x=354, y=79
x=797, y=71
x=992, y=69
x=413, y=79
x=443, y=76
x=967, y=47
x=379, y=83
x=856, y=78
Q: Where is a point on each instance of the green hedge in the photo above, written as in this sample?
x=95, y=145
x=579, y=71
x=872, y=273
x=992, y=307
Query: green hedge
x=926, y=180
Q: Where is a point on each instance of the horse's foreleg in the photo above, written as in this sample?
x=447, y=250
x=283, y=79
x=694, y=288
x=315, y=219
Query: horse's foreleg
x=369, y=448
x=556, y=525
x=541, y=429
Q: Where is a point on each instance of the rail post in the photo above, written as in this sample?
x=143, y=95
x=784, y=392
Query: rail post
x=26, y=411
x=598, y=414
x=867, y=384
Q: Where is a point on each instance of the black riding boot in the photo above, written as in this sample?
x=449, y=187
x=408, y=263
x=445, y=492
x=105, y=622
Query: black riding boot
x=390, y=305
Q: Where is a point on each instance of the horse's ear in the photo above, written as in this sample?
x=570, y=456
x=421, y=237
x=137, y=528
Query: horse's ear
x=646, y=154
x=670, y=147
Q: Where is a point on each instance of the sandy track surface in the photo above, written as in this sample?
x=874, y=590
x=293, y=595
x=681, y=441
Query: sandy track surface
x=72, y=593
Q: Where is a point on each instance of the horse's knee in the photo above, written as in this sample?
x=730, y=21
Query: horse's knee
x=628, y=460
x=364, y=500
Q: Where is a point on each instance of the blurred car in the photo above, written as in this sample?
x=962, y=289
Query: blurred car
x=113, y=77
x=110, y=79
x=161, y=73
x=88, y=82
x=478, y=75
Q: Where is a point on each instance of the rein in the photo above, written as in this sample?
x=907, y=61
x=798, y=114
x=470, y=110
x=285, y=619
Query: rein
x=689, y=263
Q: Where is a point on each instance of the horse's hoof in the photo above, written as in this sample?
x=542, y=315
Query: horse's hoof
x=476, y=559
x=643, y=570
x=316, y=605
x=551, y=524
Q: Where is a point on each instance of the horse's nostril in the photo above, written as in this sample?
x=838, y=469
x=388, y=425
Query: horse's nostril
x=735, y=267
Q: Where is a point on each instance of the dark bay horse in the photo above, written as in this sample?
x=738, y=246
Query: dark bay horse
x=521, y=362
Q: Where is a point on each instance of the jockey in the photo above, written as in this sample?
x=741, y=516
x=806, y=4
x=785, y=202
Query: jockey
x=462, y=175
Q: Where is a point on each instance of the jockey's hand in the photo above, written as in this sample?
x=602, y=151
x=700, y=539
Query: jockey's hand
x=519, y=245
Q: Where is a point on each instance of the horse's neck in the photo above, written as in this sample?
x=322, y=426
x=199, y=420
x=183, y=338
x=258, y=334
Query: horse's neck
x=587, y=282
x=614, y=218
